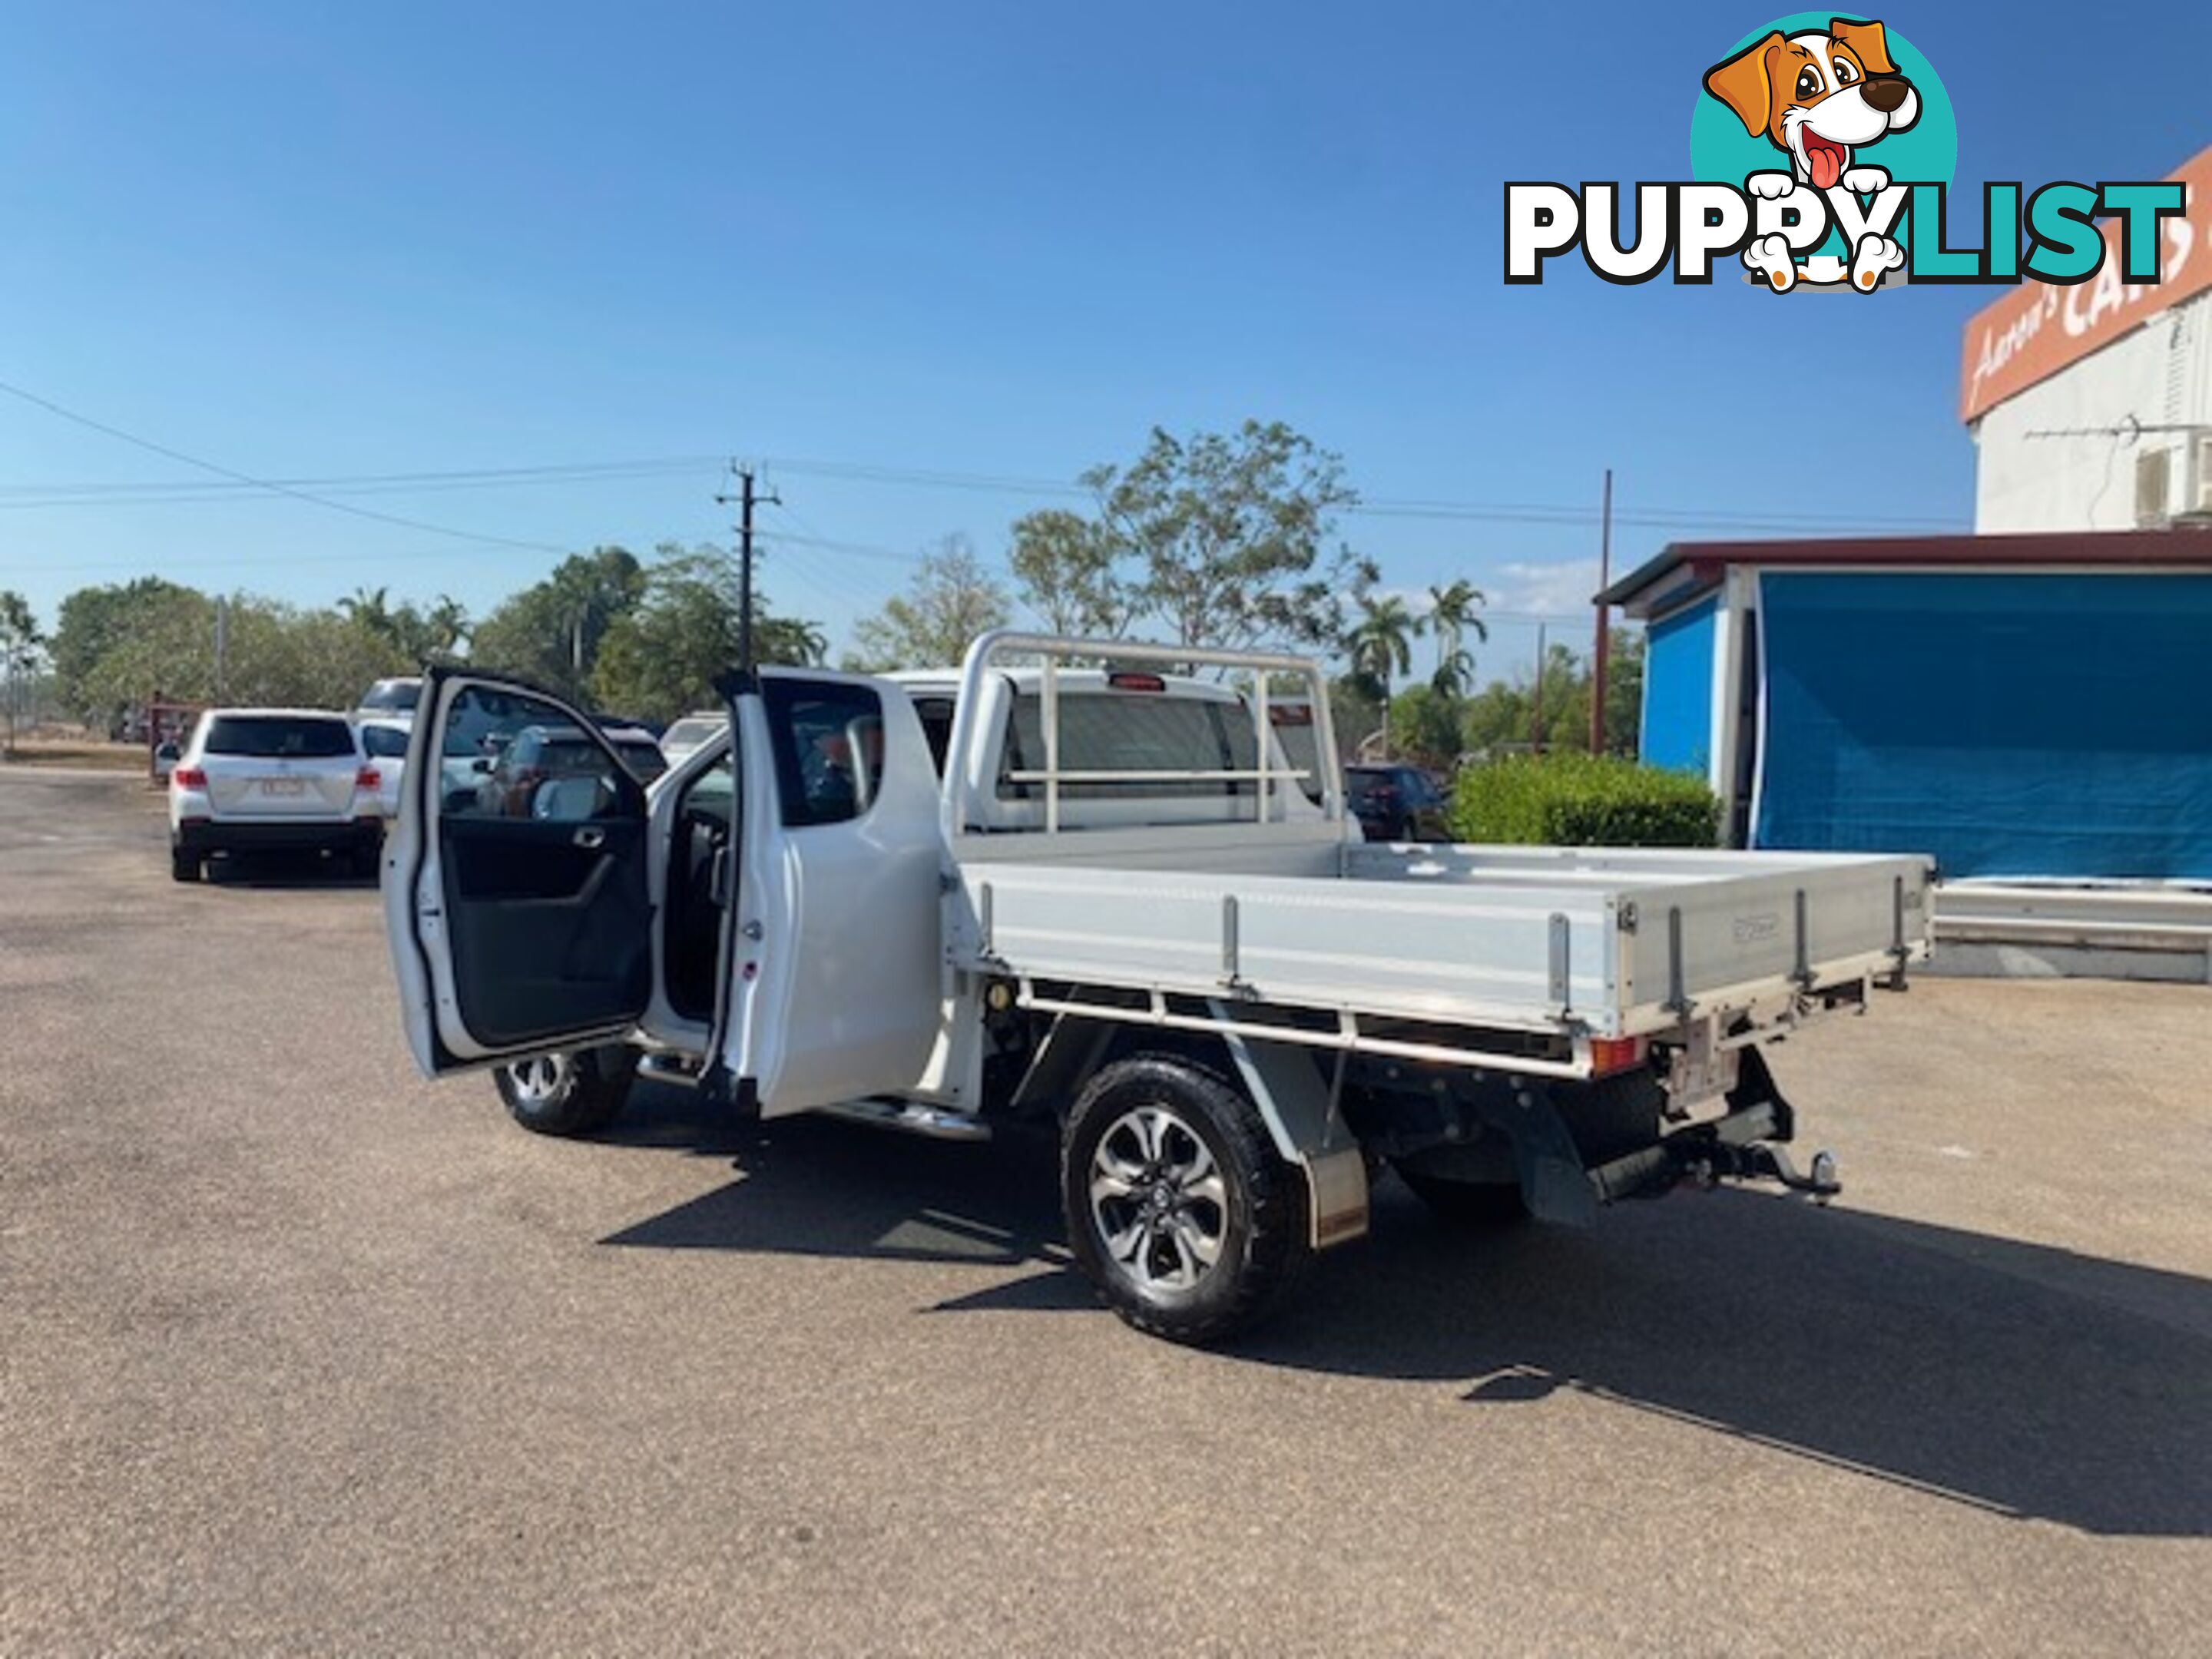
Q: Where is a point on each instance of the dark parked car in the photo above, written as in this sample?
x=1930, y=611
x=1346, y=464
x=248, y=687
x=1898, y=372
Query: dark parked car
x=540, y=753
x=1396, y=803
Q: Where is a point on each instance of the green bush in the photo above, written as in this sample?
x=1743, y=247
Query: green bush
x=1571, y=799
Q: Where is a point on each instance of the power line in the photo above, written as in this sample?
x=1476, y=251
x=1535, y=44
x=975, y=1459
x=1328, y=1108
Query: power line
x=1512, y=512
x=102, y=494
x=232, y=473
x=318, y=490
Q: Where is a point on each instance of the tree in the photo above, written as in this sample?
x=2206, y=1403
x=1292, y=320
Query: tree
x=661, y=657
x=1451, y=613
x=1501, y=718
x=104, y=649
x=1379, y=648
x=1424, y=726
x=950, y=600
x=21, y=643
x=1229, y=532
x=444, y=626
x=116, y=647
x=1066, y=569
x=365, y=607
x=1218, y=540
x=551, y=633
x=413, y=635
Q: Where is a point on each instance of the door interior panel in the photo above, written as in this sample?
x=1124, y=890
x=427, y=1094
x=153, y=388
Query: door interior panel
x=549, y=934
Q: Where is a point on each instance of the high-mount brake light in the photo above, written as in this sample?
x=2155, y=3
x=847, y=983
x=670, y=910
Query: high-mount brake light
x=1124, y=681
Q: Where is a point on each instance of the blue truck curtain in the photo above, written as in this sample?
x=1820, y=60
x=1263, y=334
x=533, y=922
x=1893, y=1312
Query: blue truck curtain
x=2011, y=724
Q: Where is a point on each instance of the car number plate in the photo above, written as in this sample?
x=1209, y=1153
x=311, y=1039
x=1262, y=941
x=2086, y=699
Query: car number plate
x=283, y=786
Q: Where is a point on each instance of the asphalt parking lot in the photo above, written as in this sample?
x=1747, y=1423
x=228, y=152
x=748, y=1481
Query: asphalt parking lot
x=299, y=1353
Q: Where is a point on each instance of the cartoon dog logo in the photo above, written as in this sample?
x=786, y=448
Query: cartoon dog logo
x=1819, y=99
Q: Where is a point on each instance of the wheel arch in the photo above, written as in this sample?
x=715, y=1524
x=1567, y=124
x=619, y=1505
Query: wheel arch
x=1294, y=1087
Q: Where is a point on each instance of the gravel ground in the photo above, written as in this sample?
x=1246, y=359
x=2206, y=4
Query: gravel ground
x=300, y=1353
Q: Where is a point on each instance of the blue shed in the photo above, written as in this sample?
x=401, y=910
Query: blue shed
x=2018, y=705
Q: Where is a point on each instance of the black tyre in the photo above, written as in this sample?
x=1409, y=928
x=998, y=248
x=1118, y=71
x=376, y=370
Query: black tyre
x=1179, y=1208
x=1468, y=1203
x=183, y=866
x=575, y=1093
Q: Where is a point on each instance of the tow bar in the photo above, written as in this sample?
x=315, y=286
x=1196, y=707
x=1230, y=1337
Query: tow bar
x=1706, y=1163
x=1758, y=1161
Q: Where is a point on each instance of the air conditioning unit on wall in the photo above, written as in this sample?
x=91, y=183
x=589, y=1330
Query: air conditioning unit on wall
x=2153, y=470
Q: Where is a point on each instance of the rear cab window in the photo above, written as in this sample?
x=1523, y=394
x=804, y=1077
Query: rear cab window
x=1105, y=730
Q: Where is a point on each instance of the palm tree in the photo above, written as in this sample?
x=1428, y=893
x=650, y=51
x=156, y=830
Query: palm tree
x=365, y=607
x=448, y=624
x=1380, y=647
x=1451, y=613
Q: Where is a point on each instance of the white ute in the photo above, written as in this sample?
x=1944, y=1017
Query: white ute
x=1031, y=889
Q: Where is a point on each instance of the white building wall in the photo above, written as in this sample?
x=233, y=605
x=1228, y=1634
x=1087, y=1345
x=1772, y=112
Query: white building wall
x=2161, y=374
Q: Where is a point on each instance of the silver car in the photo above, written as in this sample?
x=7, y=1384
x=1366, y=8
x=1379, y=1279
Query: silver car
x=251, y=778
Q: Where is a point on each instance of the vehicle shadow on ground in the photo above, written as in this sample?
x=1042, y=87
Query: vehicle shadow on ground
x=278, y=871
x=2017, y=1378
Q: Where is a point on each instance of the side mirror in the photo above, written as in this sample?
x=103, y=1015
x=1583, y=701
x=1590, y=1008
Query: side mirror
x=481, y=766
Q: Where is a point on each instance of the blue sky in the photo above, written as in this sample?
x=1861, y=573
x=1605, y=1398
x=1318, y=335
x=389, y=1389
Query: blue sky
x=322, y=241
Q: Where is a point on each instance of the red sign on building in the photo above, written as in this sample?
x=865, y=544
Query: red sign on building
x=2037, y=329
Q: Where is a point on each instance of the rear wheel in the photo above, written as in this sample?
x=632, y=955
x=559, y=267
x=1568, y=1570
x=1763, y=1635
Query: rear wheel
x=1179, y=1208
x=578, y=1092
x=183, y=866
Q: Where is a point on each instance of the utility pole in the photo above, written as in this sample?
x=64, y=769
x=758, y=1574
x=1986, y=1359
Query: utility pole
x=745, y=500
x=1536, y=736
x=1604, y=649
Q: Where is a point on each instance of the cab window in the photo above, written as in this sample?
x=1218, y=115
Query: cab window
x=828, y=744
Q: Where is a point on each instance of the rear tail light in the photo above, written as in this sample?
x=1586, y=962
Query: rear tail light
x=367, y=780
x=189, y=777
x=1615, y=1054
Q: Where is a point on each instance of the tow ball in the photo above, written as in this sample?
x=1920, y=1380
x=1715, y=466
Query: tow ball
x=1758, y=1161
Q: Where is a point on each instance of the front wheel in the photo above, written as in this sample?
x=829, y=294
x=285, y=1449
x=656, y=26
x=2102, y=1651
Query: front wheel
x=1179, y=1208
x=577, y=1092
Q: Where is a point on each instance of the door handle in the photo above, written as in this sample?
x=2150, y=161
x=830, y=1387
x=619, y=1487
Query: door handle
x=591, y=837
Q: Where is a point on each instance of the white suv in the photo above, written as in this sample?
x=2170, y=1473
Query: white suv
x=255, y=778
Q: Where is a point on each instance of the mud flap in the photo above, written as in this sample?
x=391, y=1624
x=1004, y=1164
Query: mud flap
x=1298, y=1105
x=1553, y=1184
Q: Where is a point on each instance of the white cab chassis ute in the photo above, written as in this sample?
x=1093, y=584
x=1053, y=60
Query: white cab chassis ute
x=1099, y=896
